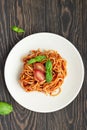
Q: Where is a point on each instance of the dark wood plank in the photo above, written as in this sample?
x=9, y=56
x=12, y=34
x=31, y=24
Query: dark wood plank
x=84, y=55
x=29, y=15
x=64, y=17
x=4, y=49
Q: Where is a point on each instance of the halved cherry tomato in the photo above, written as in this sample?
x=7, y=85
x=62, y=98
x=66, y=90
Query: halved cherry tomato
x=38, y=75
x=39, y=66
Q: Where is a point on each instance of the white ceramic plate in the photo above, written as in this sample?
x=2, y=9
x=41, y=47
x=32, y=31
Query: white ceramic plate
x=37, y=101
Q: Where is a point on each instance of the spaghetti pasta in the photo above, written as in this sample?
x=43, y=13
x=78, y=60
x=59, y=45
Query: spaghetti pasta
x=59, y=72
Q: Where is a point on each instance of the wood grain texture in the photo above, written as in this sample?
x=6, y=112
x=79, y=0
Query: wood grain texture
x=84, y=55
x=64, y=17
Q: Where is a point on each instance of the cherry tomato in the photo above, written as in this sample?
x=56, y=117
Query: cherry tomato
x=39, y=66
x=39, y=75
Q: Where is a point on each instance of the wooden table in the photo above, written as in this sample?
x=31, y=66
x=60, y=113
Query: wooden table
x=64, y=17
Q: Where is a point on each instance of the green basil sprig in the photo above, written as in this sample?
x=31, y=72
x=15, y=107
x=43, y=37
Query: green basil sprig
x=17, y=29
x=5, y=108
x=36, y=59
x=48, y=66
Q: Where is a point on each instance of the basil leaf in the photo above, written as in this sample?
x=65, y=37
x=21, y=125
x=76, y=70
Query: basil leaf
x=17, y=29
x=48, y=66
x=36, y=59
x=49, y=76
x=31, y=61
x=5, y=108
